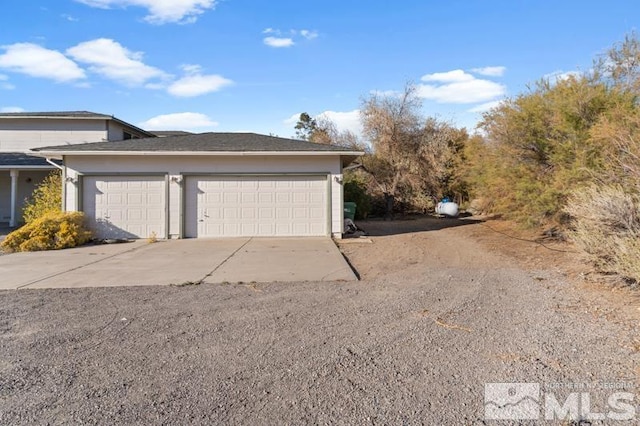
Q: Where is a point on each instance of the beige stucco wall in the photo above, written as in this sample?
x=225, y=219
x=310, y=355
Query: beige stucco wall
x=19, y=135
x=177, y=166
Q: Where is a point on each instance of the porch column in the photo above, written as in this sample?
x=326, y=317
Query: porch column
x=14, y=196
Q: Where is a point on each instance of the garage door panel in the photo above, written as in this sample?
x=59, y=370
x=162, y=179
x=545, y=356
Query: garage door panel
x=233, y=206
x=125, y=206
x=250, y=213
x=283, y=197
x=265, y=198
x=249, y=198
x=265, y=213
x=283, y=213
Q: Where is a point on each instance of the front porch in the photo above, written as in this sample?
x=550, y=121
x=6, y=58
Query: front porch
x=19, y=176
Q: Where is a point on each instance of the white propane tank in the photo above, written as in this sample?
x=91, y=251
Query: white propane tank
x=447, y=208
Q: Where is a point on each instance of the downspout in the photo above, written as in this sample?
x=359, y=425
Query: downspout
x=64, y=182
x=58, y=166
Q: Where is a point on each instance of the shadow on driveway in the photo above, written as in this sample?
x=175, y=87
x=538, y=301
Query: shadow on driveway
x=410, y=224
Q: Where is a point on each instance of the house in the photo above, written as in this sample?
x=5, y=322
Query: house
x=20, y=172
x=205, y=185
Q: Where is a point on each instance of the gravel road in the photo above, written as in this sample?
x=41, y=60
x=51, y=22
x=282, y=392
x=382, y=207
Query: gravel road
x=436, y=316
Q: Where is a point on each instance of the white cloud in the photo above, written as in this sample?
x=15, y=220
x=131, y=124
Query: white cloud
x=69, y=18
x=308, y=34
x=161, y=11
x=4, y=84
x=111, y=60
x=349, y=120
x=191, y=68
x=490, y=71
x=11, y=109
x=278, y=38
x=278, y=41
x=197, y=84
x=37, y=61
x=179, y=121
x=485, y=106
x=448, y=77
x=385, y=93
x=293, y=120
x=459, y=87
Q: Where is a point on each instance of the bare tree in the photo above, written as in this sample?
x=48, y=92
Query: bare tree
x=391, y=124
x=411, y=154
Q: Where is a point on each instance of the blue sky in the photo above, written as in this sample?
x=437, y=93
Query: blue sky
x=240, y=65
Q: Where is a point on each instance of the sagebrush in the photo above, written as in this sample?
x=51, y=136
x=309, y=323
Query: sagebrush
x=52, y=231
x=607, y=227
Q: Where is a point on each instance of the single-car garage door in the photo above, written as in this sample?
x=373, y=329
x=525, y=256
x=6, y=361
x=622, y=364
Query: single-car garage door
x=248, y=206
x=125, y=206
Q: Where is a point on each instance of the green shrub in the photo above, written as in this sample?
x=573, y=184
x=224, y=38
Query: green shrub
x=52, y=231
x=355, y=191
x=47, y=197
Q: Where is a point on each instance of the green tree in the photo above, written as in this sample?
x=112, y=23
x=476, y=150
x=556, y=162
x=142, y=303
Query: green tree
x=540, y=147
x=305, y=127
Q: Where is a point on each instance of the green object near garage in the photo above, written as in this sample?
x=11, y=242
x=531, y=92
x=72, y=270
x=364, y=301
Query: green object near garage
x=350, y=210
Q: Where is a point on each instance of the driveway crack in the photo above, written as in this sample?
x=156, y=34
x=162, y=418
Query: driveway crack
x=225, y=260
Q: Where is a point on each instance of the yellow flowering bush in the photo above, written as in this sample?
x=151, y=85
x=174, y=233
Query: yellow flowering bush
x=52, y=231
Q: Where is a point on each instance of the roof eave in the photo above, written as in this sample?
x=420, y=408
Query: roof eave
x=25, y=167
x=60, y=117
x=59, y=154
x=95, y=117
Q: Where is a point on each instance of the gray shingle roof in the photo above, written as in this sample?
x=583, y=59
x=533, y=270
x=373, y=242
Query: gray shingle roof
x=203, y=142
x=59, y=114
x=166, y=133
x=17, y=159
x=87, y=115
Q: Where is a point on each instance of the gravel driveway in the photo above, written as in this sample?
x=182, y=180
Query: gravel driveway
x=414, y=342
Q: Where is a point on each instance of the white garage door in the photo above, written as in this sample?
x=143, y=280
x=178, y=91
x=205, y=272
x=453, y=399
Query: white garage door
x=125, y=206
x=264, y=206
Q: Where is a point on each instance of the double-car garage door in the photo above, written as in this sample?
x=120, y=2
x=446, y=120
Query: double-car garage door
x=212, y=205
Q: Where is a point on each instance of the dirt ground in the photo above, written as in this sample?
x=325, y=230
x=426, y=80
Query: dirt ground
x=603, y=296
x=443, y=307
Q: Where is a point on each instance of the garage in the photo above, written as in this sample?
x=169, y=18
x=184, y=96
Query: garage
x=207, y=185
x=256, y=206
x=125, y=206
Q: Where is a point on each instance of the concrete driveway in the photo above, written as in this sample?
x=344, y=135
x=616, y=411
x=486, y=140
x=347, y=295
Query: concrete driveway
x=177, y=262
